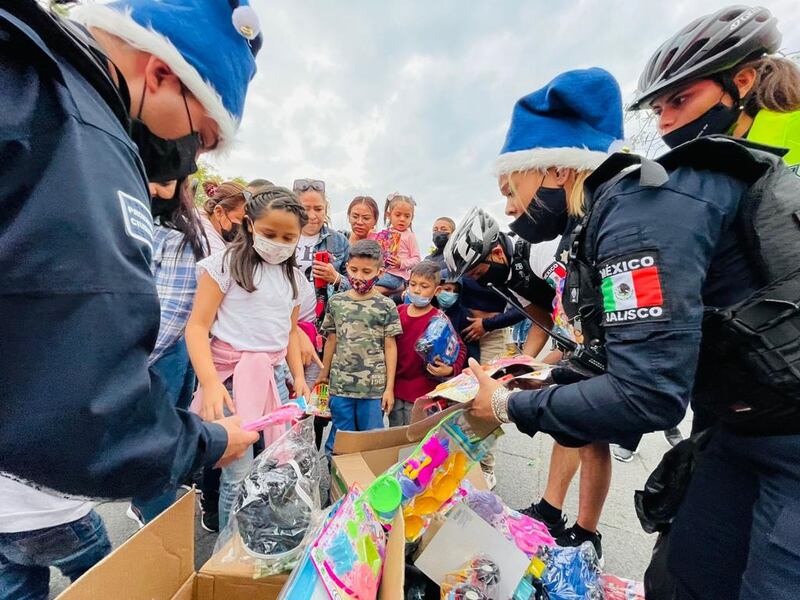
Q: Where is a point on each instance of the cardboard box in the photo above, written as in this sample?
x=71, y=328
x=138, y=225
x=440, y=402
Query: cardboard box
x=157, y=563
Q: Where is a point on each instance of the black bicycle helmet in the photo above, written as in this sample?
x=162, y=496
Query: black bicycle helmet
x=707, y=46
x=471, y=242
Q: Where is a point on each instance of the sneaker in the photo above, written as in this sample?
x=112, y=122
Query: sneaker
x=210, y=521
x=556, y=528
x=674, y=436
x=622, y=454
x=491, y=479
x=570, y=539
x=134, y=514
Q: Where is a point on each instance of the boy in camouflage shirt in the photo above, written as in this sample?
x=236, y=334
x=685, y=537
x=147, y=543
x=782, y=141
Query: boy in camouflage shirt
x=360, y=351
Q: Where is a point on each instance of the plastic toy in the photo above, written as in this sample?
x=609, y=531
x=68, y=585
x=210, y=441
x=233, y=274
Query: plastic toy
x=318, y=404
x=288, y=413
x=348, y=554
x=440, y=341
x=427, y=481
x=617, y=588
x=526, y=533
x=571, y=573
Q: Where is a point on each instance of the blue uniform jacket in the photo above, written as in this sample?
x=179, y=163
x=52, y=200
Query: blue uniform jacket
x=80, y=411
x=663, y=254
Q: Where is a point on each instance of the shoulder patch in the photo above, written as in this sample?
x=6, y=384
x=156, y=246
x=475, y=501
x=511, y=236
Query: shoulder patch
x=137, y=218
x=631, y=287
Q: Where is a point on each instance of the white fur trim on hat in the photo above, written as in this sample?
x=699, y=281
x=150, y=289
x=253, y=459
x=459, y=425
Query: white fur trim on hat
x=544, y=158
x=123, y=26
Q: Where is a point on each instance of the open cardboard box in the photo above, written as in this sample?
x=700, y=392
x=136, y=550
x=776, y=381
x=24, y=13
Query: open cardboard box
x=157, y=563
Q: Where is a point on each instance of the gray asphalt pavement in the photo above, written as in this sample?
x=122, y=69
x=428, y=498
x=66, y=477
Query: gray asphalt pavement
x=521, y=476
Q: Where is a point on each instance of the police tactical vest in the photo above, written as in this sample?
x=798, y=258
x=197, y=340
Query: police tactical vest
x=758, y=339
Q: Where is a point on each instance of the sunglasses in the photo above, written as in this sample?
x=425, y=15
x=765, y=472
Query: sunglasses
x=303, y=185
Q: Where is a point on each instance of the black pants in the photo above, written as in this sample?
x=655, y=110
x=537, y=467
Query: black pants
x=737, y=534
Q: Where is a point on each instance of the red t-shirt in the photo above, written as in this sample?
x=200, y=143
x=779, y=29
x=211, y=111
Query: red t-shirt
x=412, y=379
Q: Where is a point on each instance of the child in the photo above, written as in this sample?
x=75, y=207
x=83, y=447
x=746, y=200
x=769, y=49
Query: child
x=398, y=214
x=248, y=301
x=448, y=299
x=414, y=377
x=360, y=350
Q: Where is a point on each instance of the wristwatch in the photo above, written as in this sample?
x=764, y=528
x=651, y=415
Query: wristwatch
x=500, y=404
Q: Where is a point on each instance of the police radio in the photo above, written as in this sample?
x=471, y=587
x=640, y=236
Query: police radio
x=591, y=358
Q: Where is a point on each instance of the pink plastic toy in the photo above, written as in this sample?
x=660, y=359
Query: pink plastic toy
x=288, y=413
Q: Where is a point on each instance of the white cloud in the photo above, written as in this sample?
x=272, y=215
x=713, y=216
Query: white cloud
x=412, y=96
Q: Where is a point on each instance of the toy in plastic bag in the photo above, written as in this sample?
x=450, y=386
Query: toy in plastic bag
x=389, y=241
x=527, y=534
x=617, y=588
x=277, y=504
x=531, y=586
x=440, y=341
x=571, y=573
x=476, y=580
x=319, y=402
x=349, y=553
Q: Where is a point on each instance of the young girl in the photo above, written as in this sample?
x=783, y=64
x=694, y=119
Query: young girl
x=248, y=301
x=400, y=241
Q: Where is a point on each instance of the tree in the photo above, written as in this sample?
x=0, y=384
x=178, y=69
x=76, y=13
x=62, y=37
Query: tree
x=206, y=173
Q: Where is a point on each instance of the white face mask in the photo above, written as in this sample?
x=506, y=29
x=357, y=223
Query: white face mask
x=274, y=253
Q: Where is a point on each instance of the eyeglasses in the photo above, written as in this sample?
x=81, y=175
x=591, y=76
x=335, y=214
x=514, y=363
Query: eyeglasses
x=303, y=185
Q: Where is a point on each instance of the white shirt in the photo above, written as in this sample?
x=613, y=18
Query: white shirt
x=308, y=300
x=304, y=253
x=541, y=257
x=258, y=321
x=215, y=241
x=25, y=508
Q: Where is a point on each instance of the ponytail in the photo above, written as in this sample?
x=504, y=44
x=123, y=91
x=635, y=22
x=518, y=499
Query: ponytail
x=777, y=85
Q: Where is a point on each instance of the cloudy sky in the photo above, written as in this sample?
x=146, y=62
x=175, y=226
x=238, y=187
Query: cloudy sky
x=415, y=97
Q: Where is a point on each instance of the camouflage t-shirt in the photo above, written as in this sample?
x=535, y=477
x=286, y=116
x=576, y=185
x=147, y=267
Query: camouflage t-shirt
x=358, y=369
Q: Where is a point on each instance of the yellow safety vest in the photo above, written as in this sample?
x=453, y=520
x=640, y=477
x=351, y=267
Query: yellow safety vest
x=778, y=129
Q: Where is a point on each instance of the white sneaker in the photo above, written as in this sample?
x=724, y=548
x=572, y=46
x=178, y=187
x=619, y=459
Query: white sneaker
x=134, y=515
x=491, y=479
x=622, y=454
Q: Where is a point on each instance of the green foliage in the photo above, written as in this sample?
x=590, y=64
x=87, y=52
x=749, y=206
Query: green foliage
x=207, y=173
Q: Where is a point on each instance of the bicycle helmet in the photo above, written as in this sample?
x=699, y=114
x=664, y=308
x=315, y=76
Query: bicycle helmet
x=471, y=242
x=709, y=45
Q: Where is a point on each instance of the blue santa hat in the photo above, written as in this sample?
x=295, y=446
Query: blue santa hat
x=210, y=45
x=572, y=122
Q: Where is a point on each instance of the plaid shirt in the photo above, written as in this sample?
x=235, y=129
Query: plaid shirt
x=176, y=281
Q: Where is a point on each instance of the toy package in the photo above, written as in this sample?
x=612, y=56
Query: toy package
x=526, y=533
x=291, y=412
x=349, y=553
x=464, y=387
x=277, y=505
x=476, y=580
x=427, y=480
x=617, y=588
x=318, y=403
x=440, y=341
x=389, y=242
x=571, y=573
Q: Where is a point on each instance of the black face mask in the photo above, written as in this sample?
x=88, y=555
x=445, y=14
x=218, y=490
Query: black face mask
x=717, y=119
x=497, y=274
x=230, y=234
x=440, y=239
x=546, y=216
x=165, y=160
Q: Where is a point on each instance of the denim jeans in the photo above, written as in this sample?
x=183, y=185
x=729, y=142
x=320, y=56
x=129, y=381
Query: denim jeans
x=353, y=414
x=401, y=413
x=229, y=480
x=391, y=282
x=177, y=373
x=26, y=556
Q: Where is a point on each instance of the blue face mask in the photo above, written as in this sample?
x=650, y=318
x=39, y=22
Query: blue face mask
x=418, y=301
x=447, y=299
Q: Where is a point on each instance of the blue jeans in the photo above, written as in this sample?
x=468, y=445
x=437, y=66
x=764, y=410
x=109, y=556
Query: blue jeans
x=353, y=414
x=177, y=373
x=26, y=556
x=229, y=480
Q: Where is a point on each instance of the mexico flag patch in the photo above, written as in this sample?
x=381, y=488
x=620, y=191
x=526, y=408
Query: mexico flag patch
x=631, y=288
